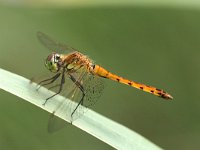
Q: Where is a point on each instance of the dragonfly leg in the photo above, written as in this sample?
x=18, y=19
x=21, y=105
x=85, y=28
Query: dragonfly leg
x=61, y=87
x=82, y=90
x=52, y=79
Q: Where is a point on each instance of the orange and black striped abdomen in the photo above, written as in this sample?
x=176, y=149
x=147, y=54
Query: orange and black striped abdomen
x=100, y=71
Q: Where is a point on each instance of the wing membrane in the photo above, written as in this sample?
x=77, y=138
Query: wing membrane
x=52, y=45
x=92, y=86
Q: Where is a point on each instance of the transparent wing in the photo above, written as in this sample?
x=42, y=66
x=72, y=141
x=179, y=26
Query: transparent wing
x=92, y=88
x=55, y=123
x=53, y=45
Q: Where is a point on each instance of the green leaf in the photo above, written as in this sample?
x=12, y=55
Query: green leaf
x=111, y=132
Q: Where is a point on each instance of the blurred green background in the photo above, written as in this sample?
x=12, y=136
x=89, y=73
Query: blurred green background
x=155, y=45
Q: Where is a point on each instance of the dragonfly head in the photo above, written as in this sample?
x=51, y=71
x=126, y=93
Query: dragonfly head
x=52, y=62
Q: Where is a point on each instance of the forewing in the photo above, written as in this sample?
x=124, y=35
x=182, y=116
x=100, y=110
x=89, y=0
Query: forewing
x=52, y=45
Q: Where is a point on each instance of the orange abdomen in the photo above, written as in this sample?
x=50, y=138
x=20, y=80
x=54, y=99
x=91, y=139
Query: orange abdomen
x=100, y=71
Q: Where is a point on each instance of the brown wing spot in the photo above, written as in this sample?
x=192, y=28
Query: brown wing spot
x=141, y=88
x=118, y=79
x=152, y=91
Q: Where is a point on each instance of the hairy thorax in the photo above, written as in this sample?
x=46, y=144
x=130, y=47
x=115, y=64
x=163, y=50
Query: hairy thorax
x=76, y=60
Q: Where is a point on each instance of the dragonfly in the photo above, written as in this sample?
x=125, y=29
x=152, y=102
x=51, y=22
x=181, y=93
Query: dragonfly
x=78, y=75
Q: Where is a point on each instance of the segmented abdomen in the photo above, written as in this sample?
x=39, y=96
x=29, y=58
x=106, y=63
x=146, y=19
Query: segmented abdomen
x=100, y=71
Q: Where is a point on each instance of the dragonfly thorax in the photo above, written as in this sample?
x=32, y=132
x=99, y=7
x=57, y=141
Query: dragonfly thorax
x=53, y=62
